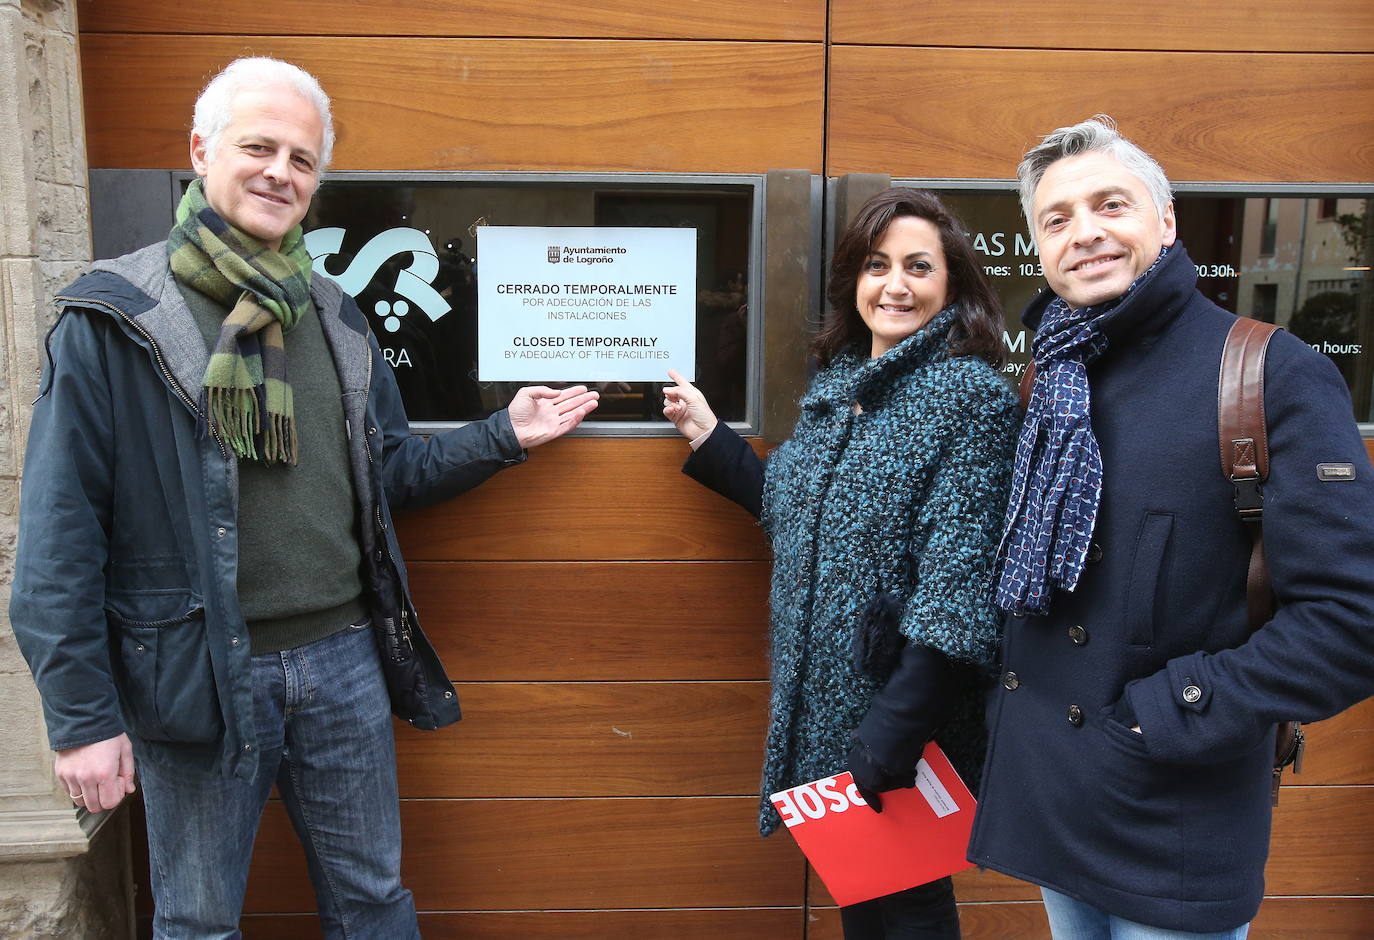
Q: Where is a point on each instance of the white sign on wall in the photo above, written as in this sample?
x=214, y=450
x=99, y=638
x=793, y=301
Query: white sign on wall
x=571, y=304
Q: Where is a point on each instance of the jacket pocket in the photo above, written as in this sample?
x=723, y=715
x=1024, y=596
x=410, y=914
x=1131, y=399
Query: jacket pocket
x=166, y=680
x=1120, y=735
x=1148, y=576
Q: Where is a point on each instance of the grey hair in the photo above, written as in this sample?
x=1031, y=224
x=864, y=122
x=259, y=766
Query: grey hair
x=215, y=106
x=1097, y=134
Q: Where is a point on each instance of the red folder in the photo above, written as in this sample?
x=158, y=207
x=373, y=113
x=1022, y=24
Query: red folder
x=922, y=833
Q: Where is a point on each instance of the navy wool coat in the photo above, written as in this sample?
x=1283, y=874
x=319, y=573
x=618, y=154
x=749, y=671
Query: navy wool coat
x=1170, y=827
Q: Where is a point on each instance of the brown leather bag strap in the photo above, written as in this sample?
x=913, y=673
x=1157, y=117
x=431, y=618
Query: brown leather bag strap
x=1259, y=593
x=1027, y=380
x=1244, y=444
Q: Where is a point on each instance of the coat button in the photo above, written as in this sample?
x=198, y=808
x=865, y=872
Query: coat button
x=1011, y=682
x=1078, y=635
x=233, y=641
x=220, y=531
x=1191, y=694
x=1094, y=553
x=1075, y=715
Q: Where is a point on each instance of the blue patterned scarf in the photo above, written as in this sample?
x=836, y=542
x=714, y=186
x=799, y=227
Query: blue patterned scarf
x=1056, y=484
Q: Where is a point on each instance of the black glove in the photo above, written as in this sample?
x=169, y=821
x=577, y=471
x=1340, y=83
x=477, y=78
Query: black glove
x=905, y=712
x=871, y=779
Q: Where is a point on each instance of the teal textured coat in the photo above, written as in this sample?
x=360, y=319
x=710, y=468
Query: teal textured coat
x=904, y=497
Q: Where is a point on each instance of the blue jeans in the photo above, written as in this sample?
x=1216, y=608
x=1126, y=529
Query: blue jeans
x=1075, y=920
x=324, y=737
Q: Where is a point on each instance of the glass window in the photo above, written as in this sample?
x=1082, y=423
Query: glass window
x=1269, y=233
x=1300, y=261
x=405, y=248
x=1266, y=302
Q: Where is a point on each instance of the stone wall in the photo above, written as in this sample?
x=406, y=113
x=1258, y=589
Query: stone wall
x=62, y=874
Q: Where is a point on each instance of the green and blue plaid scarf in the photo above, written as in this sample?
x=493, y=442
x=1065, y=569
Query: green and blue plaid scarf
x=246, y=398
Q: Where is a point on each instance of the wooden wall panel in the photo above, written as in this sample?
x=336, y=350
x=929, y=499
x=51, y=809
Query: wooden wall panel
x=717, y=924
x=988, y=885
x=608, y=19
x=1314, y=919
x=528, y=621
x=1238, y=26
x=974, y=112
x=1320, y=844
x=592, y=739
x=560, y=854
x=1022, y=920
x=485, y=104
x=587, y=499
x=1339, y=750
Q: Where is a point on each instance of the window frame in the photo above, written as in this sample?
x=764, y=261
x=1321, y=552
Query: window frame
x=665, y=183
x=1239, y=190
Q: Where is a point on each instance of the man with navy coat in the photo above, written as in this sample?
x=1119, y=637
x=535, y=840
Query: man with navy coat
x=1132, y=728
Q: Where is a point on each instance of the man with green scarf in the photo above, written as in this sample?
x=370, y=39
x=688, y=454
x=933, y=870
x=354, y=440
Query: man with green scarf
x=208, y=587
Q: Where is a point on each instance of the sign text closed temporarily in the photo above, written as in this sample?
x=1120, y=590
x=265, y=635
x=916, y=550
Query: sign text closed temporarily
x=565, y=304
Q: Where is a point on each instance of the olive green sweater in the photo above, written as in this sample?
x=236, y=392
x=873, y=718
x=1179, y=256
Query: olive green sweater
x=298, y=549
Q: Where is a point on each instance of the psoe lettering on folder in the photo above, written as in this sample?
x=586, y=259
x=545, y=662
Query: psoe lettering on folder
x=921, y=835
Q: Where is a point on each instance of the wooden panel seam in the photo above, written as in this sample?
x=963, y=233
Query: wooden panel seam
x=1325, y=25
x=725, y=19
x=1228, y=116
x=596, y=105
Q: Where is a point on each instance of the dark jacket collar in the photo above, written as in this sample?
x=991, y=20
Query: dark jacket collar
x=139, y=286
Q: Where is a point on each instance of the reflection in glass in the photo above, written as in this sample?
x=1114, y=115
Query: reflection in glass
x=1303, y=263
x=407, y=252
x=1314, y=279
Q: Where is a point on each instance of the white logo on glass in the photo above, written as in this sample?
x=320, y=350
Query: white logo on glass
x=414, y=282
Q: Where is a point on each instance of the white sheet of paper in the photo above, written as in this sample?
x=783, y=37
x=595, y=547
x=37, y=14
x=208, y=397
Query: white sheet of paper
x=934, y=791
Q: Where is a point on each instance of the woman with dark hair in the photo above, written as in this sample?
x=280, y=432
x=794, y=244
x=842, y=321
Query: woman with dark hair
x=884, y=508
